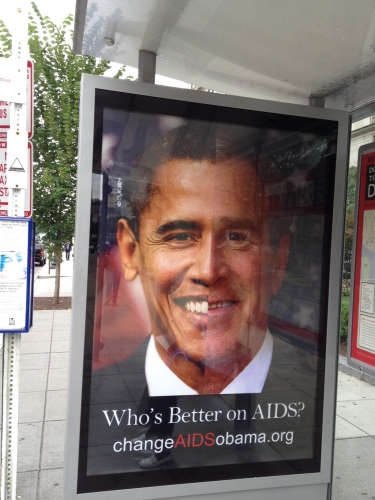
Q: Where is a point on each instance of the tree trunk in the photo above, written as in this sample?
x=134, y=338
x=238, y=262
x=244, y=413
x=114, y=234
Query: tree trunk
x=56, y=295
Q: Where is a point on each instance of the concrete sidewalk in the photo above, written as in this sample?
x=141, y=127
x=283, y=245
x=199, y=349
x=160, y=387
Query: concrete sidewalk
x=44, y=373
x=45, y=282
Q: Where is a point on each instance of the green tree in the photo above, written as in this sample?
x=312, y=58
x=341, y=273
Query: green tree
x=352, y=186
x=349, y=226
x=57, y=77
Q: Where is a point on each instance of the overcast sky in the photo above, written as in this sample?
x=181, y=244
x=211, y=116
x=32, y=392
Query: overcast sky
x=56, y=10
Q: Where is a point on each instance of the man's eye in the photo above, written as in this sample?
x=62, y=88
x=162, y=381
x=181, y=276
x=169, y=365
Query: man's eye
x=237, y=238
x=232, y=236
x=181, y=237
x=178, y=238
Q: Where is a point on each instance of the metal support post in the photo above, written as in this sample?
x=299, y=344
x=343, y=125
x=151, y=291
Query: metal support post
x=11, y=382
x=146, y=66
x=318, y=102
x=17, y=182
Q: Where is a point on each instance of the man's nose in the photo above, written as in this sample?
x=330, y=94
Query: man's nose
x=209, y=264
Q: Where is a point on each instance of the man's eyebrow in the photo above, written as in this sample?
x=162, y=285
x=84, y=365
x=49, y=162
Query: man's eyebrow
x=177, y=224
x=239, y=223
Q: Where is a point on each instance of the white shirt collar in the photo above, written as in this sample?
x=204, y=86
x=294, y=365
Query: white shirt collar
x=162, y=381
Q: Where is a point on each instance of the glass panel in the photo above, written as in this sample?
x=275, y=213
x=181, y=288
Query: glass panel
x=207, y=294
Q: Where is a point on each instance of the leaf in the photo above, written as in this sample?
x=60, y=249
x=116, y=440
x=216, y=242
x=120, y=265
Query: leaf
x=57, y=77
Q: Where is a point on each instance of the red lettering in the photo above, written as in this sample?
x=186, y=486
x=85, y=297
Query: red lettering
x=180, y=441
x=194, y=444
x=3, y=113
x=210, y=441
x=3, y=179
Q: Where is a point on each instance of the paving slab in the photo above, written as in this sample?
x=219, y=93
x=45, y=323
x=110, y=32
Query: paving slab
x=36, y=347
x=56, y=405
x=33, y=380
x=31, y=407
x=37, y=334
x=59, y=360
x=29, y=442
x=346, y=430
x=61, y=335
x=53, y=445
x=359, y=413
x=353, y=476
x=352, y=389
x=34, y=361
x=58, y=379
x=51, y=484
x=60, y=345
x=27, y=483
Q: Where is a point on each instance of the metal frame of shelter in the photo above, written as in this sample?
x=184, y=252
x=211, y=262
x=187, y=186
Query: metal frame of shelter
x=314, y=486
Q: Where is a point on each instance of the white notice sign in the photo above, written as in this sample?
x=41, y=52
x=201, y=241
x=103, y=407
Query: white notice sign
x=5, y=105
x=4, y=189
x=8, y=78
x=367, y=298
x=366, y=337
x=13, y=274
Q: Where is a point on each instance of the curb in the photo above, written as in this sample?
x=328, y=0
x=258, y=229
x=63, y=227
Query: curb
x=345, y=368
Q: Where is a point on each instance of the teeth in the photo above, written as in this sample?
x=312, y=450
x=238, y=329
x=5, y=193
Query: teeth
x=203, y=307
x=220, y=304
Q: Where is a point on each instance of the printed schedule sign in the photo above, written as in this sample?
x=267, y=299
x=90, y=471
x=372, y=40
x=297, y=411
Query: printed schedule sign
x=205, y=335
x=361, y=352
x=15, y=274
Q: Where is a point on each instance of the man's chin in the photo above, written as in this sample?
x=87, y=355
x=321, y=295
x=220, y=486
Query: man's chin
x=212, y=358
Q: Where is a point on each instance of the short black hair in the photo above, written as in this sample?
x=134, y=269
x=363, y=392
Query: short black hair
x=196, y=141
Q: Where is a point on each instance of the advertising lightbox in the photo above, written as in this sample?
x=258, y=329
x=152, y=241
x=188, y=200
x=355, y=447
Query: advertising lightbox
x=361, y=339
x=206, y=299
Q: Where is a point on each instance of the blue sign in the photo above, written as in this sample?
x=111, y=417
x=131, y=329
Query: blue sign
x=16, y=274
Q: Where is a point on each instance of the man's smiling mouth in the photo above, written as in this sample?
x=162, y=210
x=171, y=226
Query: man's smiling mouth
x=202, y=306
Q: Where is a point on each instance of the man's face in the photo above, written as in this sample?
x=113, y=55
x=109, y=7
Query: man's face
x=205, y=261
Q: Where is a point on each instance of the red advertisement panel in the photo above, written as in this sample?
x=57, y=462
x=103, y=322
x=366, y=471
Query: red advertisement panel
x=363, y=316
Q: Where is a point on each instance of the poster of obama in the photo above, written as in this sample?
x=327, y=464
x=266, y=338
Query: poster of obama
x=207, y=293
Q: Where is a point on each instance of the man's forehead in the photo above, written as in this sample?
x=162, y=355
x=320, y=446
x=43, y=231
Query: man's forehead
x=212, y=174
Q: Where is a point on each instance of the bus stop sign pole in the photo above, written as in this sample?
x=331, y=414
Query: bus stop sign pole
x=13, y=90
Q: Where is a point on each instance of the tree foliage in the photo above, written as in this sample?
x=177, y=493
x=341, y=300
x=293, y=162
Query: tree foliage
x=352, y=186
x=57, y=91
x=57, y=77
x=349, y=226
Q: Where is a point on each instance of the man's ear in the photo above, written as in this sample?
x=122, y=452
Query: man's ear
x=280, y=261
x=129, y=250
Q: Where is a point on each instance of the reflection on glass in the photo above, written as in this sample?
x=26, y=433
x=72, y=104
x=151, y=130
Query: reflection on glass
x=209, y=270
